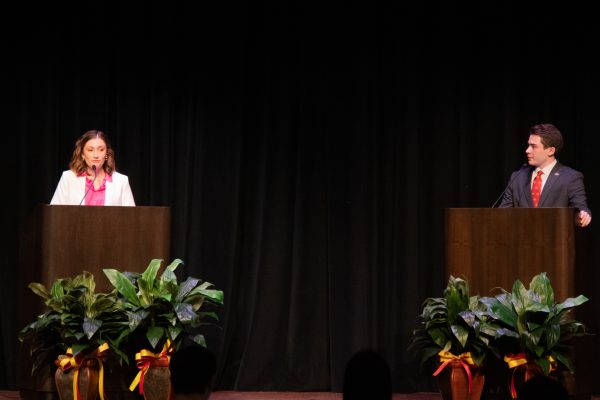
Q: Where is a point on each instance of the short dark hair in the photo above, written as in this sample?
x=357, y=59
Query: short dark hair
x=192, y=369
x=549, y=135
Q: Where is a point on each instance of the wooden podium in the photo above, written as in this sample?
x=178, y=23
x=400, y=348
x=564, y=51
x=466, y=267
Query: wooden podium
x=63, y=241
x=492, y=247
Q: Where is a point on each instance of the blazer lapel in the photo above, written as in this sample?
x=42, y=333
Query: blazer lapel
x=554, y=176
x=527, y=188
x=108, y=194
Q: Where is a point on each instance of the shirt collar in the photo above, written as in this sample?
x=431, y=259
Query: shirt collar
x=107, y=177
x=547, y=169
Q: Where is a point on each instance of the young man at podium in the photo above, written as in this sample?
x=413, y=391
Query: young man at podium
x=545, y=182
x=92, y=178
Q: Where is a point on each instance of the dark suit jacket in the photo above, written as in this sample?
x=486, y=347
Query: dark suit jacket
x=563, y=188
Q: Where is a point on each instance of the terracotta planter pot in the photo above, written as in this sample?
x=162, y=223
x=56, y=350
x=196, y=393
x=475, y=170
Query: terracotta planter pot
x=453, y=382
x=157, y=381
x=87, y=381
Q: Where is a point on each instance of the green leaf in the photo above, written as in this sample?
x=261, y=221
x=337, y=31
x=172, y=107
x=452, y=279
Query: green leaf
x=154, y=335
x=185, y=312
x=135, y=318
x=428, y=352
x=78, y=348
x=552, y=333
x=57, y=288
x=565, y=360
x=544, y=364
x=571, y=302
x=174, y=264
x=502, y=310
x=199, y=339
x=39, y=290
x=168, y=279
x=91, y=326
x=123, y=285
x=122, y=356
x=149, y=275
x=174, y=332
x=210, y=314
x=540, y=285
x=146, y=293
x=439, y=336
x=507, y=332
x=215, y=295
x=461, y=334
x=186, y=287
x=532, y=306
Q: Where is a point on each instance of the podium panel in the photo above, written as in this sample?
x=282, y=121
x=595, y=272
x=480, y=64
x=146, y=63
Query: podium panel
x=66, y=240
x=492, y=247
x=63, y=241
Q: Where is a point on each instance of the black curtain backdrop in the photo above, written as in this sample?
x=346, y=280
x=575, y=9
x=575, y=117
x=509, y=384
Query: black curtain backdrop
x=307, y=151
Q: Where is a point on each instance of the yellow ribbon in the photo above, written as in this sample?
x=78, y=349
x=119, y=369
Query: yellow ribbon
x=100, y=352
x=553, y=363
x=465, y=360
x=514, y=360
x=74, y=362
x=70, y=362
x=143, y=361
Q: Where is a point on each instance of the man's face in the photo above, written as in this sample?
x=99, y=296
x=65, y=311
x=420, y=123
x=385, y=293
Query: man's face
x=537, y=155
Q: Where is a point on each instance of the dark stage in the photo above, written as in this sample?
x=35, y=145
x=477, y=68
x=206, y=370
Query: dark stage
x=307, y=153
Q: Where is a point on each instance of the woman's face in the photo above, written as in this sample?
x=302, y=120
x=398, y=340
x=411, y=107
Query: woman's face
x=94, y=153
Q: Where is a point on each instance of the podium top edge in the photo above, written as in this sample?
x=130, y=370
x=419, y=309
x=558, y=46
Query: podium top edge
x=99, y=207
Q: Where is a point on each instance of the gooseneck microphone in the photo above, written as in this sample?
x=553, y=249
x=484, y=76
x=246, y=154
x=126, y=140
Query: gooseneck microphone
x=509, y=183
x=91, y=185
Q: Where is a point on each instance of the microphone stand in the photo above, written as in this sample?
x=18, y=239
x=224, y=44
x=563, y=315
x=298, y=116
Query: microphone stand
x=91, y=185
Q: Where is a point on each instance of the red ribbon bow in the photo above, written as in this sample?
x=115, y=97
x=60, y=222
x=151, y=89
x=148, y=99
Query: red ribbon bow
x=465, y=359
x=143, y=361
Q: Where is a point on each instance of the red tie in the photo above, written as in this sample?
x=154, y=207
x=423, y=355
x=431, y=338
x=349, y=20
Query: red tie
x=536, y=189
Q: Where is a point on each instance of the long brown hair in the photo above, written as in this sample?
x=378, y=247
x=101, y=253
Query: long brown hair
x=78, y=165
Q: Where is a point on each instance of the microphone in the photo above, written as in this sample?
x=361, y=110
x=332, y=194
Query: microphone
x=509, y=183
x=91, y=185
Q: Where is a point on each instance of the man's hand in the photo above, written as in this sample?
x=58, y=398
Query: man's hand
x=583, y=219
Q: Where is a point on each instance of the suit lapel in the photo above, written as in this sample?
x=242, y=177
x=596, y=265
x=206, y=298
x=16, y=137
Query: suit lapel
x=552, y=179
x=527, y=188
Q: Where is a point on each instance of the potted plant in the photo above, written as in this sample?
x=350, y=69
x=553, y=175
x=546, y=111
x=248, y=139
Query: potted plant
x=162, y=313
x=534, y=333
x=453, y=331
x=77, y=330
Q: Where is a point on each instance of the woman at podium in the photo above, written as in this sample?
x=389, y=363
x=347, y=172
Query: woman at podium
x=92, y=179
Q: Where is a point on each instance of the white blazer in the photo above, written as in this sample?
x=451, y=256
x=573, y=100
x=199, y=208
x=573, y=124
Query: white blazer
x=71, y=189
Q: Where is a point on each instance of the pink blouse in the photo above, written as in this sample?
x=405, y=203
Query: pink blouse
x=95, y=197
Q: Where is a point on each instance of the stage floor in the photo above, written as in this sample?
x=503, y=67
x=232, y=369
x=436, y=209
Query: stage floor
x=308, y=396
x=231, y=395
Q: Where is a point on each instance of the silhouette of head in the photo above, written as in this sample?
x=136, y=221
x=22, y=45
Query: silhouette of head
x=543, y=387
x=367, y=376
x=192, y=370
